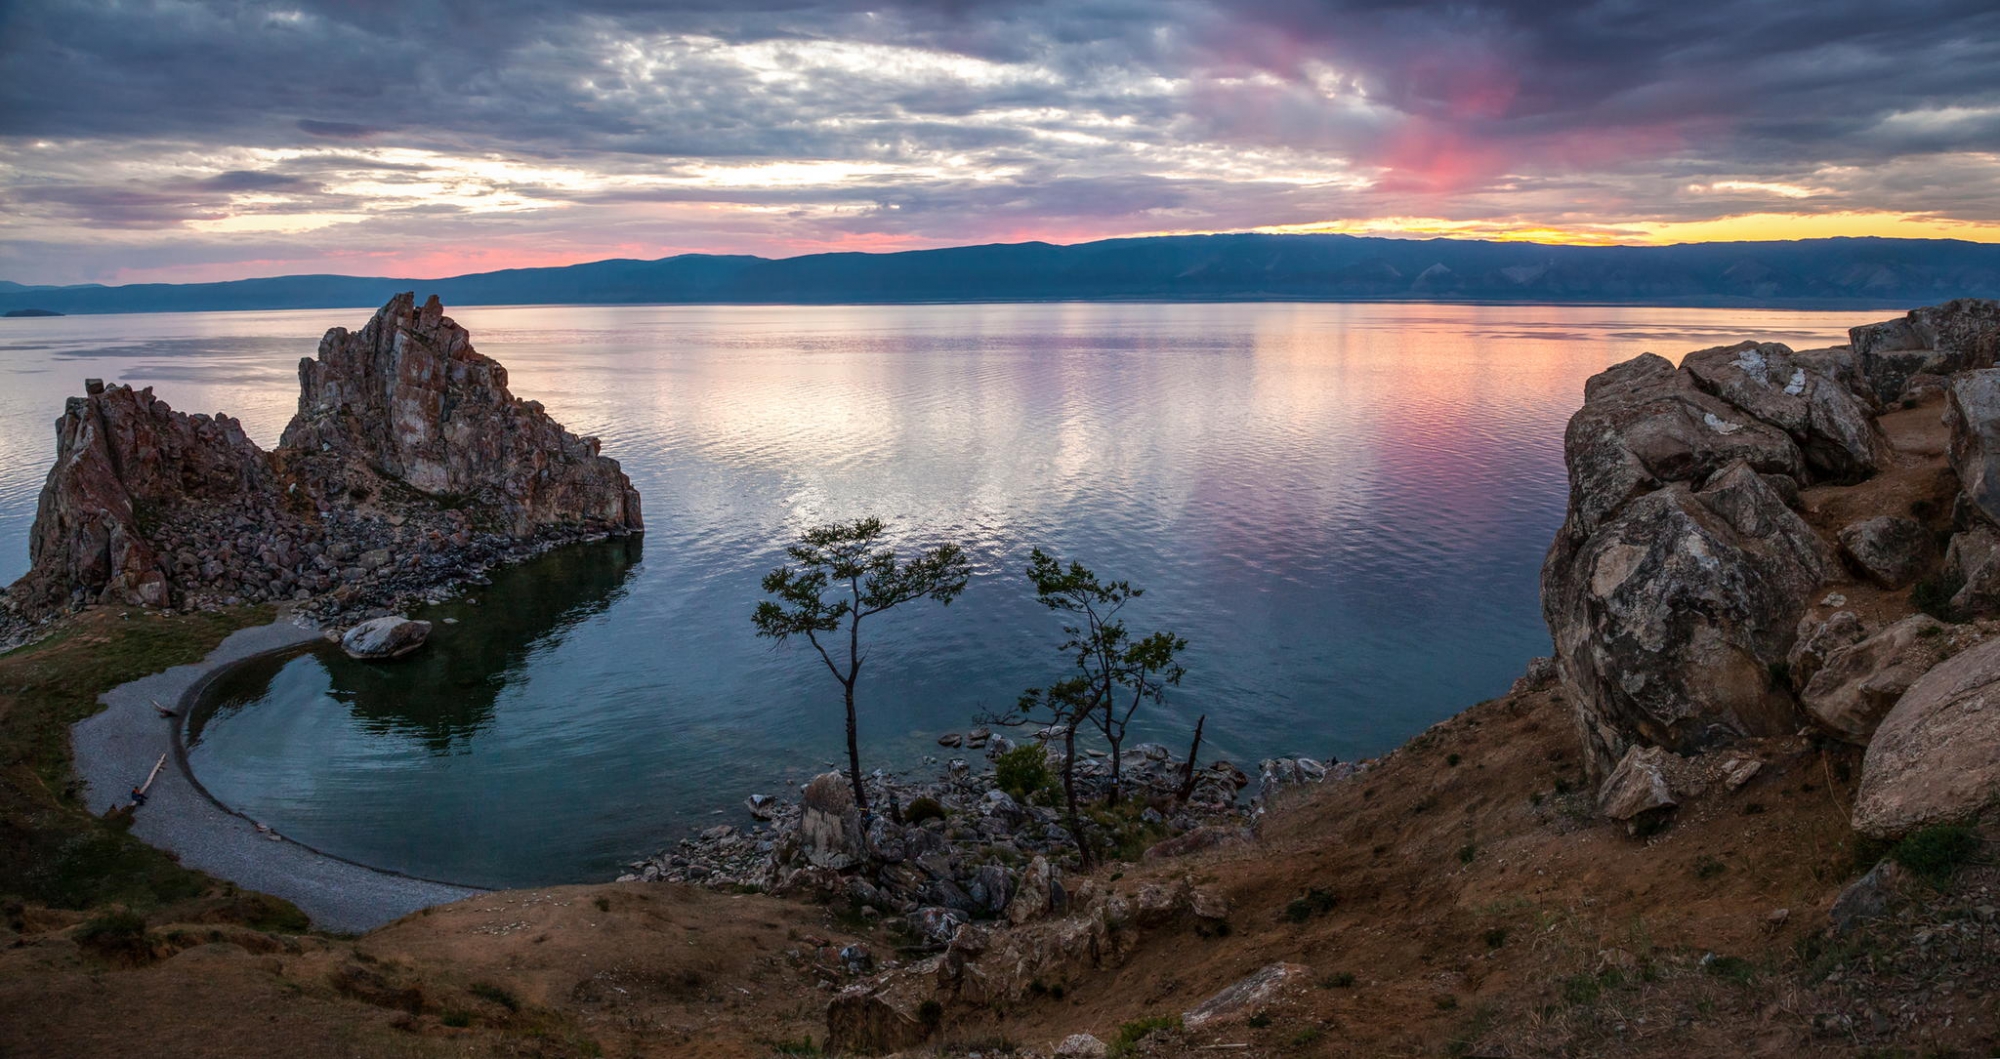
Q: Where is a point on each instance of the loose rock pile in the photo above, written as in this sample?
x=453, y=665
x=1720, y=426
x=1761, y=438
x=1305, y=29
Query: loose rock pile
x=985, y=855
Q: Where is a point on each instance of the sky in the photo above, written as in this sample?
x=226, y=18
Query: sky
x=187, y=140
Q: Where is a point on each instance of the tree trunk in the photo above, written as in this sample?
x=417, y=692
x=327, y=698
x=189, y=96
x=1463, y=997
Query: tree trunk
x=1069, y=795
x=1117, y=770
x=854, y=755
x=1187, y=774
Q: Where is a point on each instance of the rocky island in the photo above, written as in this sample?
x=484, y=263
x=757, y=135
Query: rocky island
x=408, y=466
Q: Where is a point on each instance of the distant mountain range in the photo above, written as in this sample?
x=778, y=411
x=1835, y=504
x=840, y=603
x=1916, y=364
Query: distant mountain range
x=1812, y=273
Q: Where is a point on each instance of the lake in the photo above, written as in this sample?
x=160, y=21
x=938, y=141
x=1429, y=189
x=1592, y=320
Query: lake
x=1343, y=508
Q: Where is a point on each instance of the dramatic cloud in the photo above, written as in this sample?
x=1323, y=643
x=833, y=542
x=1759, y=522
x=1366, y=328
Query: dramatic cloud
x=184, y=139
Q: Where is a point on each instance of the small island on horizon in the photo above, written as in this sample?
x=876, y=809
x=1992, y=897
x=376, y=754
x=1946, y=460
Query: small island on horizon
x=19, y=313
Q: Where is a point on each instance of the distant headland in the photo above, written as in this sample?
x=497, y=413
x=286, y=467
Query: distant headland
x=31, y=312
x=1805, y=274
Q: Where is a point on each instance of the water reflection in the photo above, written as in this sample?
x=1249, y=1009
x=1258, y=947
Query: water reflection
x=445, y=694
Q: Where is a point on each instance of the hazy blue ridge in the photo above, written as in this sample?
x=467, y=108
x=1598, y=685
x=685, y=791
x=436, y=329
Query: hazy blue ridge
x=1822, y=273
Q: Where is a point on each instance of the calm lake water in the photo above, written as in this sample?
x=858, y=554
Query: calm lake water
x=1342, y=507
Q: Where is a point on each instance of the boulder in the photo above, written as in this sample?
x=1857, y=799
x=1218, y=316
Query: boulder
x=1809, y=395
x=385, y=638
x=1868, y=898
x=1638, y=786
x=1890, y=550
x=1082, y=1046
x=1972, y=411
x=1667, y=619
x=1935, y=340
x=1038, y=893
x=830, y=830
x=1936, y=755
x=1859, y=683
x=1248, y=996
x=1818, y=639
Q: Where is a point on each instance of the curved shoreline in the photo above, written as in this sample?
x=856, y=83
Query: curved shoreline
x=114, y=749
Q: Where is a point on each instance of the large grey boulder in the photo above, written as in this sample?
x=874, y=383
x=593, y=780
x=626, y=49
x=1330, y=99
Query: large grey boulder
x=1644, y=424
x=1972, y=410
x=1858, y=684
x=830, y=828
x=1667, y=620
x=1810, y=395
x=385, y=638
x=1936, y=756
x=1891, y=550
x=1935, y=340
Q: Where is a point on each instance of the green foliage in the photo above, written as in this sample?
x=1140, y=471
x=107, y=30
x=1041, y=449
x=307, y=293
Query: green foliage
x=1467, y=852
x=1581, y=990
x=1452, y=760
x=922, y=808
x=1307, y=1036
x=837, y=577
x=1935, y=853
x=1314, y=902
x=1023, y=771
x=1259, y=1020
x=1496, y=937
x=1138, y=1030
x=1707, y=867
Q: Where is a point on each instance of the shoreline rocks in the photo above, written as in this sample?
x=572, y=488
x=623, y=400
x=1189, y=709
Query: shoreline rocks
x=408, y=470
x=380, y=639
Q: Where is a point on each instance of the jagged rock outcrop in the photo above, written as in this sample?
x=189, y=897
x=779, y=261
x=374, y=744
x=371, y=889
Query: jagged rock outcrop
x=408, y=397
x=1972, y=410
x=1936, y=756
x=408, y=466
x=1935, y=340
x=125, y=462
x=1668, y=617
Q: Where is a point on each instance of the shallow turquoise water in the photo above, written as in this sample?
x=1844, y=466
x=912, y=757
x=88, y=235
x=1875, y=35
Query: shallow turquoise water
x=1343, y=507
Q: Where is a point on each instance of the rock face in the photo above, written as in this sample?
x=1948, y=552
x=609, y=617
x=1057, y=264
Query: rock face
x=124, y=461
x=411, y=399
x=408, y=464
x=1936, y=756
x=1890, y=550
x=1857, y=685
x=1972, y=409
x=830, y=825
x=1935, y=340
x=385, y=638
x=1811, y=396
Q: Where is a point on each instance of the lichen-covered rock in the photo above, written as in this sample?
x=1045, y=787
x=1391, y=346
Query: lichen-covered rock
x=1935, y=340
x=1811, y=395
x=1860, y=683
x=1936, y=755
x=830, y=824
x=385, y=638
x=1082, y=1046
x=1972, y=410
x=1891, y=550
x=1668, y=618
x=1637, y=786
x=409, y=397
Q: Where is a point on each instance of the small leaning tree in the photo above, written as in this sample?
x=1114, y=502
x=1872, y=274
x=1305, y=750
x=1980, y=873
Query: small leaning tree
x=838, y=576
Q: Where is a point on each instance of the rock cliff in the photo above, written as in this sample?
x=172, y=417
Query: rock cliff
x=408, y=465
x=1744, y=547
